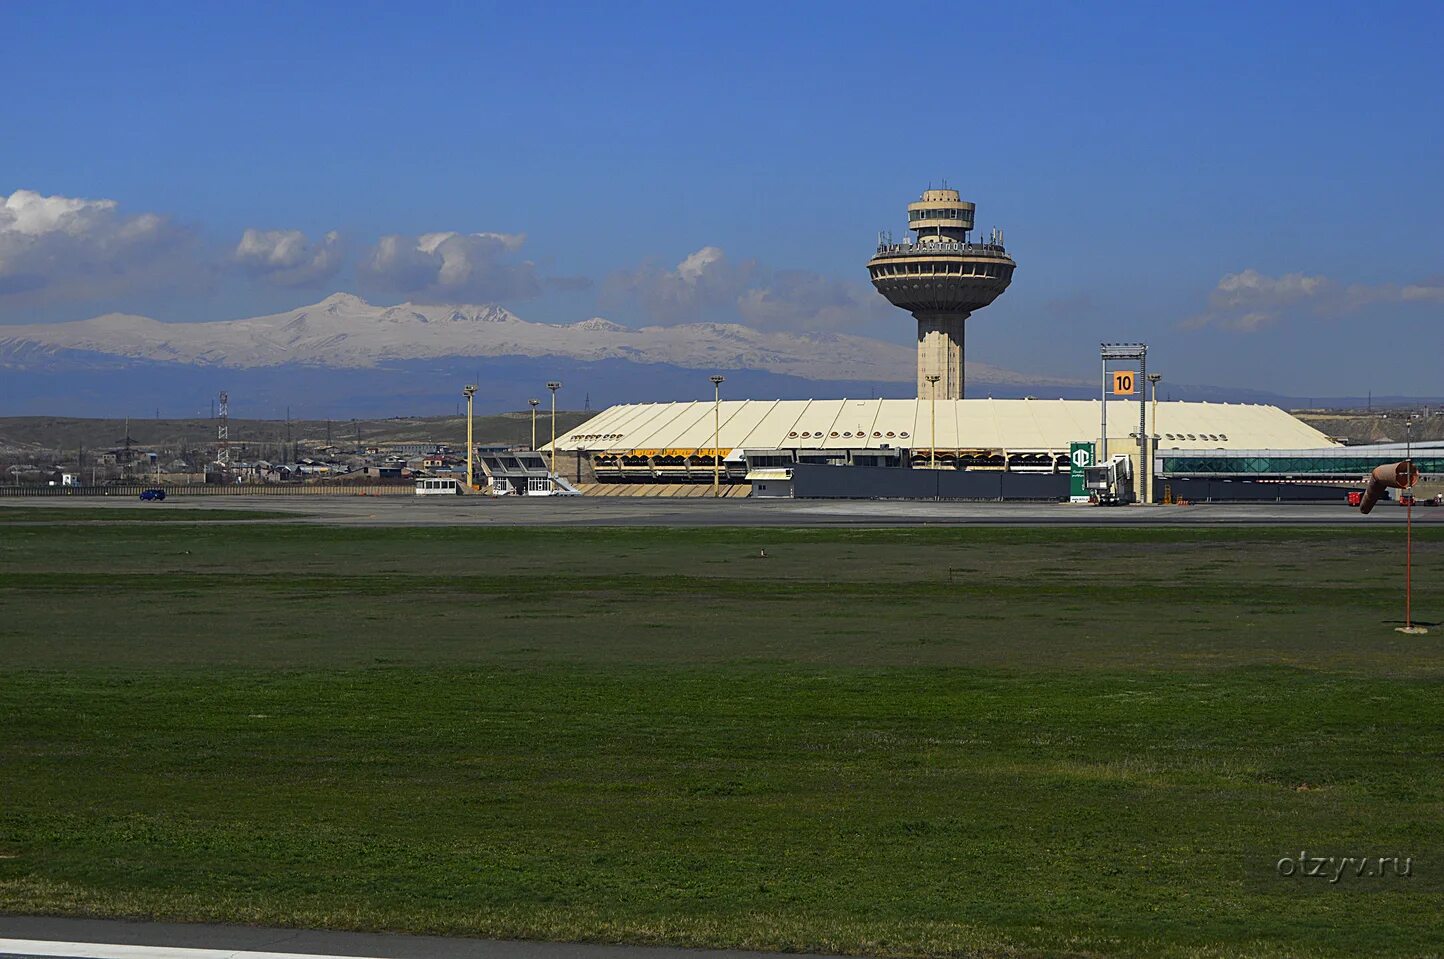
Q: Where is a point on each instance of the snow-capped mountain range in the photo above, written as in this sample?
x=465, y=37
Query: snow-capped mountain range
x=345, y=332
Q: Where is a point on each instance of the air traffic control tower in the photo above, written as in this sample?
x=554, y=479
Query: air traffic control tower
x=941, y=277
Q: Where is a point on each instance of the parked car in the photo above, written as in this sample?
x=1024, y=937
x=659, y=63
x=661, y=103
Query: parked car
x=152, y=495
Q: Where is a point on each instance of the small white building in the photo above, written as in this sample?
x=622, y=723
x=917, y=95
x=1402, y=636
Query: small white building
x=439, y=486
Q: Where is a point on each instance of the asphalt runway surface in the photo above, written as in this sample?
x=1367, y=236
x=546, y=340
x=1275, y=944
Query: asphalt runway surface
x=118, y=939
x=658, y=511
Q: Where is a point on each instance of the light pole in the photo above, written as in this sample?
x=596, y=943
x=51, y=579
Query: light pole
x=554, y=385
x=932, y=379
x=1409, y=523
x=717, y=381
x=1153, y=379
x=468, y=391
x=534, y=404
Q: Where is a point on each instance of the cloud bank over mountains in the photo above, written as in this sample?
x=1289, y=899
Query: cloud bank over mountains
x=345, y=332
x=452, y=267
x=285, y=258
x=344, y=355
x=77, y=251
x=1249, y=301
x=56, y=248
x=708, y=283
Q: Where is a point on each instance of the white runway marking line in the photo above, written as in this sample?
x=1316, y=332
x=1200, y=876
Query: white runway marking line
x=105, y=950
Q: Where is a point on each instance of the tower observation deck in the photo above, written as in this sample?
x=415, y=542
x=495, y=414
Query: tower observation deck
x=941, y=277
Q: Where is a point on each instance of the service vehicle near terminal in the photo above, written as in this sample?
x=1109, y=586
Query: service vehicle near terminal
x=1111, y=483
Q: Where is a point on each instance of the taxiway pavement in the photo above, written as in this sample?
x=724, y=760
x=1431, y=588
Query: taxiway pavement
x=657, y=511
x=26, y=936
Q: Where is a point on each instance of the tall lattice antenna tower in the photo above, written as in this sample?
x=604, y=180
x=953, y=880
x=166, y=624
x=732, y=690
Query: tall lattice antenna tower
x=223, y=429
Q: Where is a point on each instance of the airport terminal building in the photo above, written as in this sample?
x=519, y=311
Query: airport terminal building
x=942, y=445
x=678, y=443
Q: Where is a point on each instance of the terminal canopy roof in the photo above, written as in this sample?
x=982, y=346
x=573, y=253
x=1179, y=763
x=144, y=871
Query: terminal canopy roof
x=685, y=429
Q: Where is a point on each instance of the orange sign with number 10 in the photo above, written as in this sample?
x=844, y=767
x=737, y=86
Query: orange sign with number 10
x=1123, y=383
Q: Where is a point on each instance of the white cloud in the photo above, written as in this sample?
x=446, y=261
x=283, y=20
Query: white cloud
x=1248, y=322
x=703, y=285
x=1430, y=291
x=286, y=258
x=1249, y=301
x=1251, y=287
x=708, y=285
x=452, y=267
x=694, y=267
x=801, y=300
x=27, y=212
x=68, y=248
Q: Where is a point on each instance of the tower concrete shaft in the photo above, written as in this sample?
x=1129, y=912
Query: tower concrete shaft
x=940, y=351
x=941, y=277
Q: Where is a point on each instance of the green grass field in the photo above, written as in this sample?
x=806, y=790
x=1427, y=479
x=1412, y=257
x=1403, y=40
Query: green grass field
x=984, y=742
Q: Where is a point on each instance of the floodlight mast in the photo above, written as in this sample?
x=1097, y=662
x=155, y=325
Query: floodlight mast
x=469, y=391
x=1409, y=524
x=932, y=379
x=1153, y=379
x=554, y=385
x=717, y=380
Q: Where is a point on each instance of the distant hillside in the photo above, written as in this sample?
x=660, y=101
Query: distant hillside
x=1384, y=427
x=67, y=433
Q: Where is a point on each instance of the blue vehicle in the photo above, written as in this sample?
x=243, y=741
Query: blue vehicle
x=152, y=495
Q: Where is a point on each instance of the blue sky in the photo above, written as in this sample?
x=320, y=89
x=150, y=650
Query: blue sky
x=1254, y=189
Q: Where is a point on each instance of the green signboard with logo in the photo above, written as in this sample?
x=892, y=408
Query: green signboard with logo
x=1079, y=456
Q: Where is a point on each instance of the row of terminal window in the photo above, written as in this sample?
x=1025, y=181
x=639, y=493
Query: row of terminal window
x=1211, y=437
x=949, y=213
x=860, y=434
x=934, y=269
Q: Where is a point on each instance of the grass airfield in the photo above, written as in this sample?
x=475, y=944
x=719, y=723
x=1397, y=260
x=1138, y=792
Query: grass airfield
x=919, y=742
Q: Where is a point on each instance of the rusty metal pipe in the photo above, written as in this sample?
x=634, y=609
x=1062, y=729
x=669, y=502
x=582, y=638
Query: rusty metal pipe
x=1400, y=475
